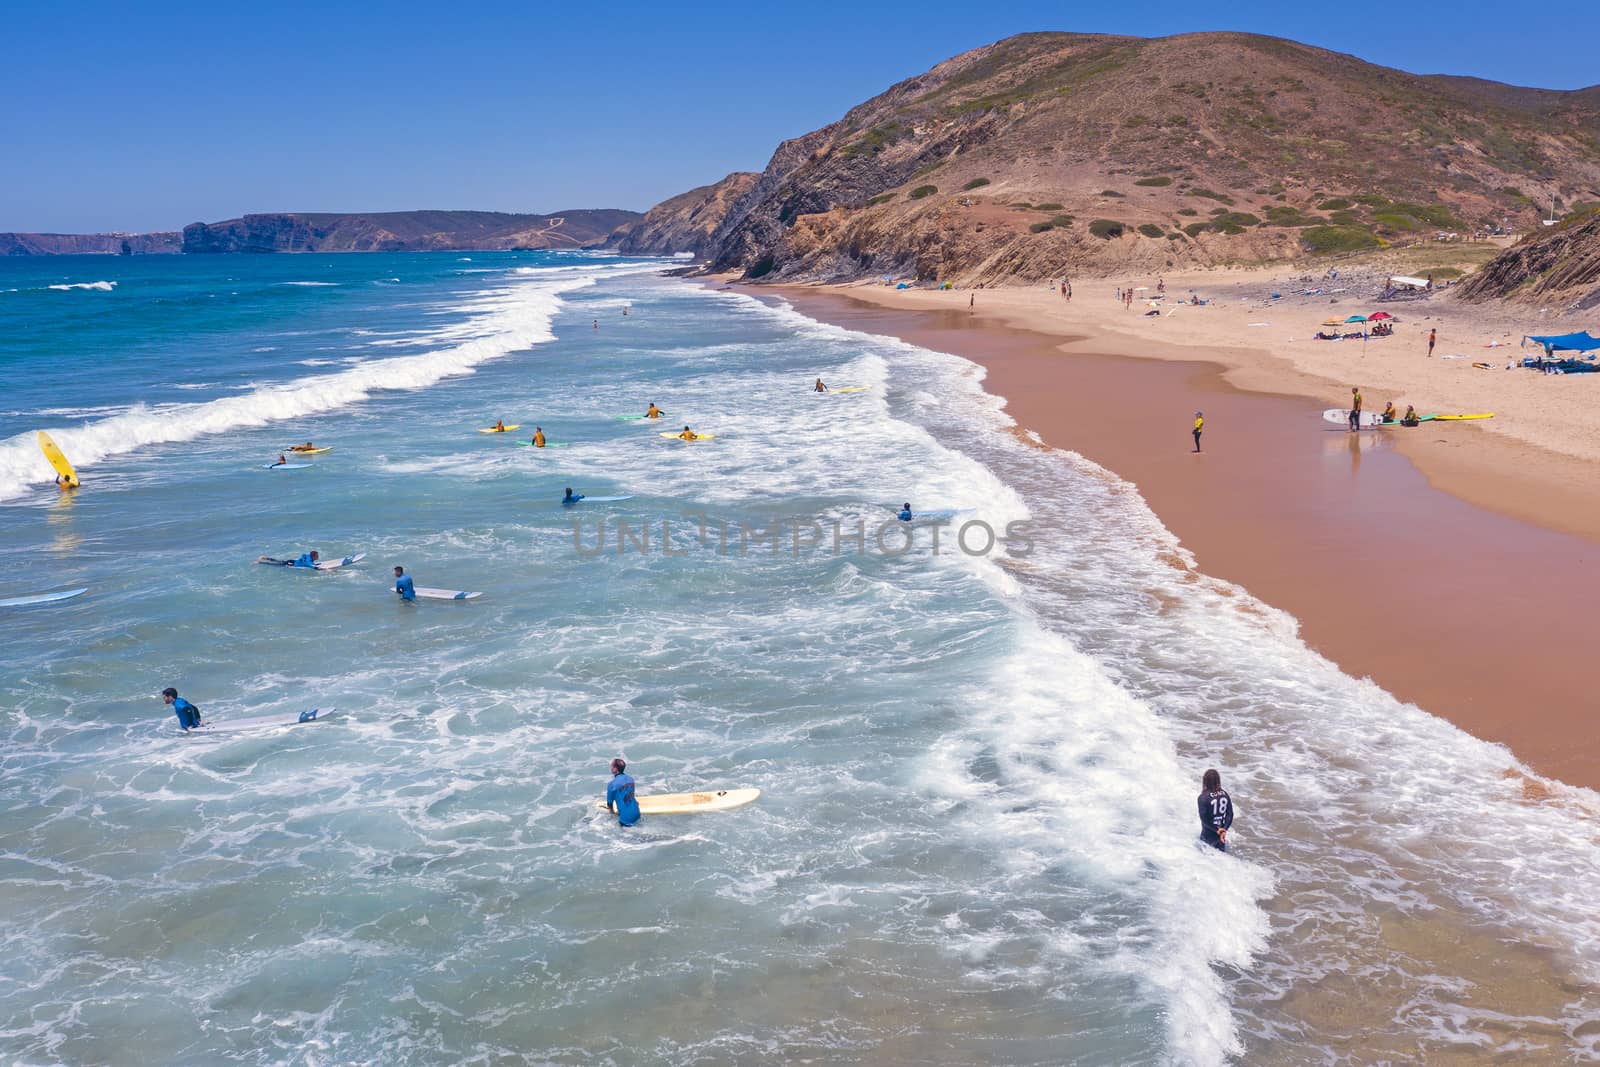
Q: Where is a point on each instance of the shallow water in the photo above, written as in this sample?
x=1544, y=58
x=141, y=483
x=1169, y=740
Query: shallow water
x=976, y=840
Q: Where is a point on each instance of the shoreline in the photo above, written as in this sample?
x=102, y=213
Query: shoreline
x=1458, y=608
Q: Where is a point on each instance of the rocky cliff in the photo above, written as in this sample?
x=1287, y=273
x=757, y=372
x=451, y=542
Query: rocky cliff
x=1559, y=266
x=1051, y=152
x=400, y=231
x=686, y=222
x=79, y=244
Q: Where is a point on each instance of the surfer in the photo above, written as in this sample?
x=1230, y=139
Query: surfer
x=571, y=497
x=689, y=435
x=905, y=512
x=1355, y=409
x=307, y=447
x=403, y=585
x=282, y=461
x=499, y=426
x=1199, y=428
x=1410, y=418
x=66, y=481
x=820, y=387
x=1389, y=414
x=654, y=412
x=188, y=715
x=306, y=559
x=1216, y=811
x=538, y=437
x=619, y=794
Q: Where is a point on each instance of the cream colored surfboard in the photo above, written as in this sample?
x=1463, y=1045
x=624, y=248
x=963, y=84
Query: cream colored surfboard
x=689, y=803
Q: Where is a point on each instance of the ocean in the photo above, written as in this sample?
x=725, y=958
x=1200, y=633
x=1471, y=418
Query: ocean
x=979, y=740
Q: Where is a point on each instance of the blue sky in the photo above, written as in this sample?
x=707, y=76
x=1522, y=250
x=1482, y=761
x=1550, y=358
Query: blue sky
x=150, y=116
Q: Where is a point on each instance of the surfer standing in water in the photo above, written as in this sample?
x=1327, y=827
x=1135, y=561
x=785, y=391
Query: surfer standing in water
x=1355, y=409
x=820, y=388
x=1199, y=428
x=654, y=412
x=188, y=715
x=403, y=584
x=1216, y=811
x=619, y=794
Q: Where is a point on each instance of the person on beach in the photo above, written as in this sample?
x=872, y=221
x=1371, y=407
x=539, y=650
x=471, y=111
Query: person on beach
x=306, y=559
x=571, y=497
x=403, y=584
x=972, y=301
x=689, y=435
x=1389, y=414
x=620, y=800
x=1433, y=336
x=654, y=412
x=1199, y=428
x=1410, y=418
x=1355, y=409
x=188, y=715
x=820, y=388
x=905, y=512
x=538, y=437
x=1216, y=811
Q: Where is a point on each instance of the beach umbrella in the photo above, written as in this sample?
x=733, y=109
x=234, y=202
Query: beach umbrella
x=1333, y=322
x=1379, y=315
x=1356, y=318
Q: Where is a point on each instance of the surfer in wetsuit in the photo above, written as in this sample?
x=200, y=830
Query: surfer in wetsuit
x=571, y=497
x=307, y=447
x=905, y=512
x=282, y=462
x=306, y=559
x=1355, y=409
x=538, y=437
x=654, y=412
x=188, y=715
x=689, y=435
x=619, y=794
x=403, y=584
x=1410, y=418
x=820, y=387
x=1199, y=428
x=499, y=425
x=1216, y=811
x=1389, y=412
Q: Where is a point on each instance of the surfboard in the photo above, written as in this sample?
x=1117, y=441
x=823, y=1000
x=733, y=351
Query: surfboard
x=307, y=451
x=939, y=514
x=635, y=418
x=1420, y=418
x=698, y=437
x=508, y=429
x=1341, y=417
x=852, y=389
x=690, y=803
x=41, y=598
x=53, y=453
x=260, y=722
x=605, y=499
x=444, y=594
x=1463, y=418
x=547, y=444
x=287, y=466
x=335, y=564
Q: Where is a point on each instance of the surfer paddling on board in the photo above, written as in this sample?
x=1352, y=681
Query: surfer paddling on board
x=1355, y=409
x=282, y=461
x=689, y=435
x=571, y=497
x=403, y=584
x=619, y=794
x=905, y=512
x=499, y=425
x=820, y=387
x=654, y=412
x=188, y=715
x=307, y=447
x=306, y=559
x=1216, y=811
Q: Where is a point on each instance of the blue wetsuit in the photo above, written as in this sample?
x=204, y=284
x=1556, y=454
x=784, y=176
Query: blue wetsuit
x=188, y=715
x=1216, y=813
x=403, y=586
x=905, y=516
x=619, y=798
x=305, y=560
x=572, y=499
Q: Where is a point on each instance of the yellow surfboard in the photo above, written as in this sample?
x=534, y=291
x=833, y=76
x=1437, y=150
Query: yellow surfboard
x=689, y=803
x=508, y=429
x=1463, y=418
x=853, y=389
x=57, y=460
x=697, y=437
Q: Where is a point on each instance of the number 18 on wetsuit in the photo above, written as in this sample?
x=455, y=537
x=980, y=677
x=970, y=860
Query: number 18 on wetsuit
x=1216, y=811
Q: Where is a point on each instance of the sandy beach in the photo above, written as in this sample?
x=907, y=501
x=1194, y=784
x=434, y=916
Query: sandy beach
x=1453, y=564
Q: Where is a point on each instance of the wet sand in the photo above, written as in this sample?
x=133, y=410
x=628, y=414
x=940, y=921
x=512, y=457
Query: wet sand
x=1472, y=614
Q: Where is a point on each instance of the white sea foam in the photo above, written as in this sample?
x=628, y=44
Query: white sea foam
x=99, y=287
x=318, y=285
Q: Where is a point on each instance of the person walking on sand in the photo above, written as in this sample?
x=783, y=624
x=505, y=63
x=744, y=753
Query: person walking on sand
x=1433, y=336
x=972, y=301
x=1199, y=428
x=1216, y=811
x=620, y=800
x=1355, y=409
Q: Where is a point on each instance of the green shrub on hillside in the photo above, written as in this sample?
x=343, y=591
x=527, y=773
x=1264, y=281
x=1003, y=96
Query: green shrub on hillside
x=1150, y=229
x=976, y=183
x=1041, y=227
x=1106, y=228
x=1154, y=182
x=881, y=198
x=1338, y=203
x=923, y=190
x=1110, y=192
x=1195, y=229
x=1337, y=239
x=1211, y=194
x=1187, y=211
x=1047, y=207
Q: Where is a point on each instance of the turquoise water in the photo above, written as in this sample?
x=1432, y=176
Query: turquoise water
x=976, y=839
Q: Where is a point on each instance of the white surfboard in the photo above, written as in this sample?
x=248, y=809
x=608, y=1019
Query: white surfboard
x=1341, y=417
x=286, y=466
x=445, y=594
x=261, y=722
x=939, y=514
x=335, y=564
x=41, y=598
x=600, y=499
x=690, y=803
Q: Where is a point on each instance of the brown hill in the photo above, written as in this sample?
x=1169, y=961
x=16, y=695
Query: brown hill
x=1055, y=152
x=397, y=231
x=1558, y=266
x=81, y=244
x=684, y=223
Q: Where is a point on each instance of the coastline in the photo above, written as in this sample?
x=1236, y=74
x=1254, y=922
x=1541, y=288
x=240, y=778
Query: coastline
x=1392, y=574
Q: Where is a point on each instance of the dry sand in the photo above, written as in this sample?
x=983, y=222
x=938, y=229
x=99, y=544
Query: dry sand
x=1454, y=565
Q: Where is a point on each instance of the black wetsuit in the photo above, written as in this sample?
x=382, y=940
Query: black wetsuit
x=1216, y=813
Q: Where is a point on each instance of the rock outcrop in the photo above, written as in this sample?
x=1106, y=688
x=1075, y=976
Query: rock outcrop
x=684, y=223
x=83, y=244
x=405, y=231
x=1559, y=266
x=1049, y=153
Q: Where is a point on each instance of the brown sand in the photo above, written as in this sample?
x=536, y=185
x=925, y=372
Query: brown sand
x=1475, y=615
